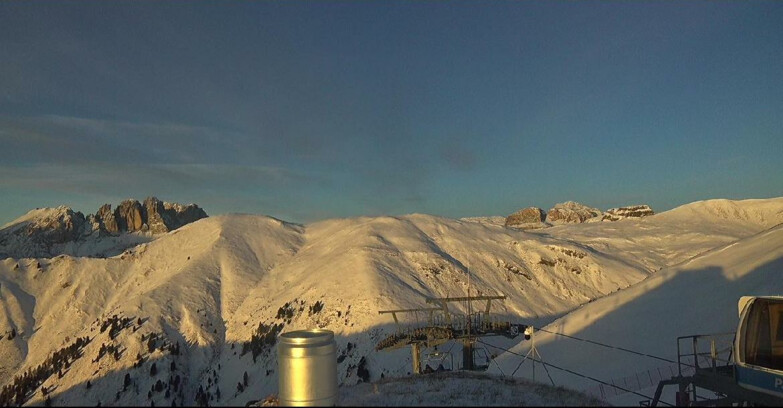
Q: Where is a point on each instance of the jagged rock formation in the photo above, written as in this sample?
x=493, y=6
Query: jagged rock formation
x=104, y=219
x=634, y=211
x=129, y=216
x=154, y=216
x=530, y=215
x=571, y=212
x=48, y=232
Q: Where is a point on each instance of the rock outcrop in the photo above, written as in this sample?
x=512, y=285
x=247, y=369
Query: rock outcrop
x=634, y=211
x=155, y=210
x=104, y=220
x=571, y=212
x=161, y=216
x=526, y=216
x=154, y=216
x=47, y=232
x=129, y=215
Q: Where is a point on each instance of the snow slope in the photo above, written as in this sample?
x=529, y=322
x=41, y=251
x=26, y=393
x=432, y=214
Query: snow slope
x=695, y=297
x=213, y=284
x=461, y=389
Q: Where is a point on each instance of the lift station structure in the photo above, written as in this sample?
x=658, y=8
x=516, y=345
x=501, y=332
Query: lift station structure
x=442, y=326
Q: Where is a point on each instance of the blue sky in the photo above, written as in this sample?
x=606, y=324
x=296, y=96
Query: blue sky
x=310, y=110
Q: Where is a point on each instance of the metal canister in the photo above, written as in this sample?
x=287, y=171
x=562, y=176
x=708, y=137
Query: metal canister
x=307, y=367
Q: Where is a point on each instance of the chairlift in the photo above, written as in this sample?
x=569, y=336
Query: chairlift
x=438, y=361
x=481, y=359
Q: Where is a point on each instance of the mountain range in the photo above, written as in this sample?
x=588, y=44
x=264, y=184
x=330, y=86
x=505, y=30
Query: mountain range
x=87, y=319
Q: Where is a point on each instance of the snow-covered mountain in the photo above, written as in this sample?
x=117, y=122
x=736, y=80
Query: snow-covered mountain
x=204, y=302
x=698, y=296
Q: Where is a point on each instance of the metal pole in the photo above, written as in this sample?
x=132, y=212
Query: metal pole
x=533, y=349
x=416, y=358
x=679, y=365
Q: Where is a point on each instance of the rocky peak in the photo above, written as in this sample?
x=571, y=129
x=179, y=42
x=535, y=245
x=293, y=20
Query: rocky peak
x=530, y=215
x=633, y=211
x=130, y=216
x=162, y=216
x=57, y=225
x=35, y=232
x=104, y=220
x=571, y=212
x=153, y=215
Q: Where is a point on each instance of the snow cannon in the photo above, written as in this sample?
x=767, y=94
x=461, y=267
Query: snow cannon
x=307, y=366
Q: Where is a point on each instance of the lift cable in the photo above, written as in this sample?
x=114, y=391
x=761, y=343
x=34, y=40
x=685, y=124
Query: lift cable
x=575, y=373
x=615, y=347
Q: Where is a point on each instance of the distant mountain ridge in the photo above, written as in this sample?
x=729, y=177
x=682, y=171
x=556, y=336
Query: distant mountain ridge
x=571, y=212
x=46, y=232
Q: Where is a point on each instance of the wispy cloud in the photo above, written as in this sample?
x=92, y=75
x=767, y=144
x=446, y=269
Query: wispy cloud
x=103, y=177
x=65, y=139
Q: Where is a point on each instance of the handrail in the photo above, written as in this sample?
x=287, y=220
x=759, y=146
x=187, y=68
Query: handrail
x=714, y=354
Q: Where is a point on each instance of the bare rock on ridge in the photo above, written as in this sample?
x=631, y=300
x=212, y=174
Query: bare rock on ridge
x=104, y=220
x=130, y=216
x=163, y=217
x=154, y=215
x=530, y=215
x=155, y=211
x=633, y=211
x=571, y=212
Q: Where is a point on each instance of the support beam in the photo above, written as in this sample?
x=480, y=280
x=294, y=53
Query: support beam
x=464, y=298
x=420, y=309
x=416, y=352
x=467, y=355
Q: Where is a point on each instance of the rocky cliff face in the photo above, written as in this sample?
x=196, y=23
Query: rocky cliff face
x=49, y=232
x=530, y=215
x=571, y=212
x=104, y=219
x=154, y=216
x=634, y=211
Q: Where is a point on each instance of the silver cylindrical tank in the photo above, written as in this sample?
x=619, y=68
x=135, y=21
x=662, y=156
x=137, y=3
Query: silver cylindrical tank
x=307, y=367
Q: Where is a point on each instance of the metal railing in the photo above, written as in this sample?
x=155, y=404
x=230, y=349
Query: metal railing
x=705, y=351
x=634, y=382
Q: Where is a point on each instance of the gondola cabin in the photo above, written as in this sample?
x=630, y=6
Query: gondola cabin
x=758, y=345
